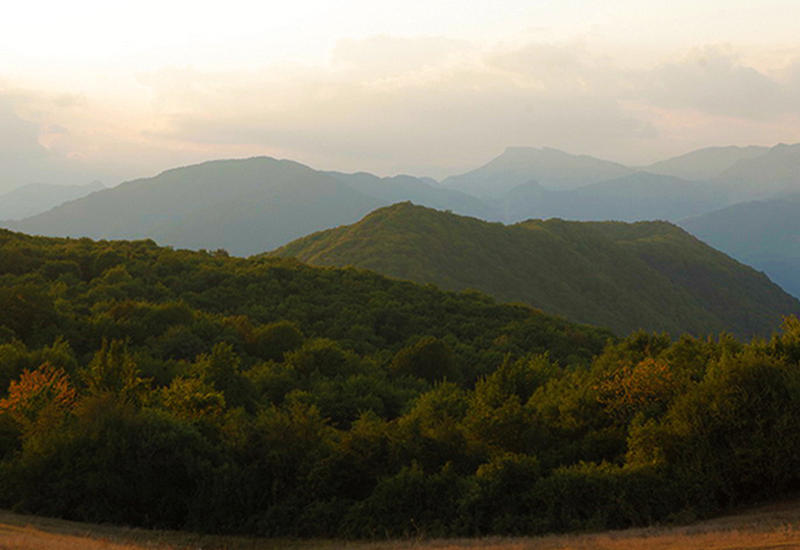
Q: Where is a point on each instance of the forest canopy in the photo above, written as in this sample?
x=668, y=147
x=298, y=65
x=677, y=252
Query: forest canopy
x=148, y=386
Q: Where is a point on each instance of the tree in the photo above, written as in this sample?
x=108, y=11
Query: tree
x=44, y=392
x=113, y=370
x=220, y=369
x=429, y=358
x=272, y=341
x=647, y=387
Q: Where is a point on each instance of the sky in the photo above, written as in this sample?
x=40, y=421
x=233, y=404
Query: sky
x=110, y=91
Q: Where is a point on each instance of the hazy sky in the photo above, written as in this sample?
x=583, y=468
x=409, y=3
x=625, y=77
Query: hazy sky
x=115, y=90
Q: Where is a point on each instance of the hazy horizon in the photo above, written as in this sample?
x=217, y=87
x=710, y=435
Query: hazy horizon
x=90, y=91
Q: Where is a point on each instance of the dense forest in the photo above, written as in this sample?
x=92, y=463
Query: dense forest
x=624, y=276
x=148, y=386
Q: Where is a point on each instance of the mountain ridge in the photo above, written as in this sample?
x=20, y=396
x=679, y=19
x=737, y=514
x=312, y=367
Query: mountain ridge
x=600, y=273
x=259, y=203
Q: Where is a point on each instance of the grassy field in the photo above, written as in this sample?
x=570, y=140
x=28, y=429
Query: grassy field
x=767, y=527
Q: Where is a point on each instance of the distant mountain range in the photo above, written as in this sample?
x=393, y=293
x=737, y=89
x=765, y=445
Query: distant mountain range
x=248, y=206
x=764, y=234
x=637, y=196
x=244, y=206
x=704, y=164
x=648, y=275
x=551, y=168
x=776, y=171
x=35, y=198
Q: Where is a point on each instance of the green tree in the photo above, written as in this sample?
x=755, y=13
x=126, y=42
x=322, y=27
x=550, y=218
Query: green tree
x=113, y=370
x=428, y=358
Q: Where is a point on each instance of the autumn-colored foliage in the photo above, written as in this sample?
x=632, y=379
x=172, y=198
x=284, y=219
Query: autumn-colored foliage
x=645, y=387
x=44, y=388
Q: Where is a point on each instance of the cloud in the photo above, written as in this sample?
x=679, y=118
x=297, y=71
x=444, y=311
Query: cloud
x=18, y=137
x=449, y=108
x=22, y=158
x=45, y=139
x=556, y=66
x=425, y=105
x=716, y=82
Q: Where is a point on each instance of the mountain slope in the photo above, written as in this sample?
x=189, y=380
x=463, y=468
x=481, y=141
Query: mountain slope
x=36, y=198
x=633, y=197
x=625, y=276
x=245, y=206
x=705, y=164
x=775, y=172
x=765, y=234
x=551, y=168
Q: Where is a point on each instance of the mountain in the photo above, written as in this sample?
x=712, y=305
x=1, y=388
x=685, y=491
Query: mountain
x=553, y=169
x=765, y=234
x=245, y=206
x=251, y=205
x=775, y=172
x=649, y=275
x=35, y=198
x=423, y=191
x=633, y=197
x=704, y=164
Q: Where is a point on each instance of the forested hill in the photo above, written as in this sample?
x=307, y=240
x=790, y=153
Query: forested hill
x=646, y=275
x=145, y=386
x=177, y=304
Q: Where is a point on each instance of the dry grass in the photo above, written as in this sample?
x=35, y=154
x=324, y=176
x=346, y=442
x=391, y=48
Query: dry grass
x=769, y=527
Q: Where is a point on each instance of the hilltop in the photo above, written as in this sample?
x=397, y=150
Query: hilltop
x=645, y=275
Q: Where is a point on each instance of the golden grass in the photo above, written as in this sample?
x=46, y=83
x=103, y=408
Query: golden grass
x=768, y=527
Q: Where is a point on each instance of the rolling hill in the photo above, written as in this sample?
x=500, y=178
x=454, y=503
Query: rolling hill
x=648, y=275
